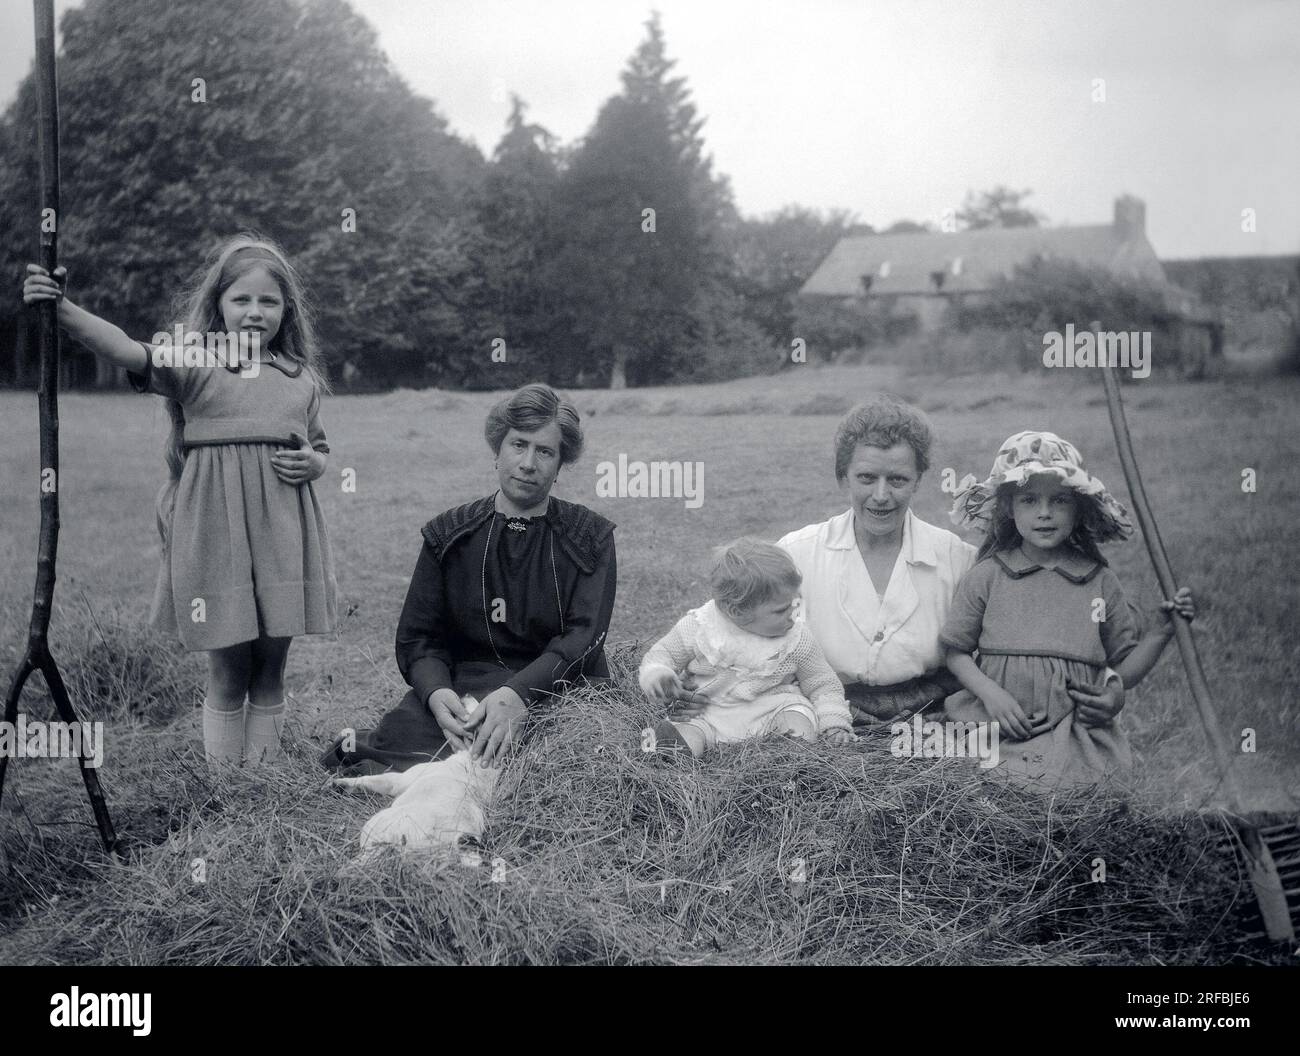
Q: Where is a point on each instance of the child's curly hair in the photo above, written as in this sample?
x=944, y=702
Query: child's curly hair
x=1003, y=535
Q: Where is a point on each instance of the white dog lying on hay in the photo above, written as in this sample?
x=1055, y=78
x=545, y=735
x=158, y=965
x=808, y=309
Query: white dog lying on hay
x=435, y=803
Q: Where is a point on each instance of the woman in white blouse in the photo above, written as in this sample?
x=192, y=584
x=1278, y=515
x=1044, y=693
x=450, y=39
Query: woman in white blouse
x=878, y=580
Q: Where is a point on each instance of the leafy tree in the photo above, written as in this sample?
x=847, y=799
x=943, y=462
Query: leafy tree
x=635, y=282
x=1000, y=207
x=833, y=325
x=1054, y=292
x=1049, y=294
x=516, y=215
x=775, y=255
x=184, y=122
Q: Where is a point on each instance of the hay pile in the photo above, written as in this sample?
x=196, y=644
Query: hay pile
x=773, y=851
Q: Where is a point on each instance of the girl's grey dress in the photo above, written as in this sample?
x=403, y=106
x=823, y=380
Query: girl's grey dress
x=245, y=555
x=1037, y=629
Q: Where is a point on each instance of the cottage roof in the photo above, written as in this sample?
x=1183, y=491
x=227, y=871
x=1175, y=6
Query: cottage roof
x=973, y=260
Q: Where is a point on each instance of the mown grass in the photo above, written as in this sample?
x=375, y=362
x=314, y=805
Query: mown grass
x=588, y=830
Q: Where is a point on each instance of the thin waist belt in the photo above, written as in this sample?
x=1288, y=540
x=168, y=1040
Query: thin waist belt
x=279, y=441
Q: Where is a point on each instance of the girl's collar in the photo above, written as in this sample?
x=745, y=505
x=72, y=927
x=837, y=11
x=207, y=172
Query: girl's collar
x=1073, y=566
x=279, y=362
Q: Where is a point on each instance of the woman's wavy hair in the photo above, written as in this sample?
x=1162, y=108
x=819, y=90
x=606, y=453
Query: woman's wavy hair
x=531, y=408
x=198, y=307
x=883, y=421
x=1004, y=535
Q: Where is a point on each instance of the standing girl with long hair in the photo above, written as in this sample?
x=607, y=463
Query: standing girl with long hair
x=246, y=562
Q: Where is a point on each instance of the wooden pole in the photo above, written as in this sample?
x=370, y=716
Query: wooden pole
x=1263, y=871
x=1168, y=586
x=37, y=656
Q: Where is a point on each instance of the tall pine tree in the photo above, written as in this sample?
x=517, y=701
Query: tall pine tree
x=642, y=219
x=516, y=214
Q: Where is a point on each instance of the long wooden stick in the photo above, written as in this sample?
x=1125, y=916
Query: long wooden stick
x=37, y=656
x=1263, y=871
x=1168, y=586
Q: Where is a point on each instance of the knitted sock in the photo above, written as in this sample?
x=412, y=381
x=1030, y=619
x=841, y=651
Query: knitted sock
x=223, y=734
x=262, y=733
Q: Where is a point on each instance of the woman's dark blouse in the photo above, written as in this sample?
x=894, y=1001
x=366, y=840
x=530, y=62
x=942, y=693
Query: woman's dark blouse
x=562, y=560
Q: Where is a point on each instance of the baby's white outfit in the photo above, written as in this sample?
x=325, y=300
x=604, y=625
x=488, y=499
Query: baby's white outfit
x=749, y=679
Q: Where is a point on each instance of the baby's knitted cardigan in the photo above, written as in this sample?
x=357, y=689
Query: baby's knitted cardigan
x=705, y=644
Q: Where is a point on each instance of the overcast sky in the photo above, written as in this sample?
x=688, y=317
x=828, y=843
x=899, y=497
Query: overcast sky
x=894, y=108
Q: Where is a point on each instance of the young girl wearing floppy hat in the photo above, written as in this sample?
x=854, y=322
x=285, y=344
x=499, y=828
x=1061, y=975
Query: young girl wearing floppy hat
x=1047, y=616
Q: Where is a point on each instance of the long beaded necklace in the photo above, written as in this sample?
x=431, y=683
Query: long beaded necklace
x=519, y=525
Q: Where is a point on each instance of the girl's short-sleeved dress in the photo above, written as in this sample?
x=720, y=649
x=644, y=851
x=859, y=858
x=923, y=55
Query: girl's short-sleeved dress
x=245, y=555
x=1035, y=628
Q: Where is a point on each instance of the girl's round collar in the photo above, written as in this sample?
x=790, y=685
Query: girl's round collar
x=1075, y=567
x=290, y=368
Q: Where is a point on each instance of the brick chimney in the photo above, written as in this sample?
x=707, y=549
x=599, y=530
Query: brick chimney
x=1130, y=217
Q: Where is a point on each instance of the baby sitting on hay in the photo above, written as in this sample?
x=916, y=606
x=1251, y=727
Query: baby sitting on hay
x=741, y=665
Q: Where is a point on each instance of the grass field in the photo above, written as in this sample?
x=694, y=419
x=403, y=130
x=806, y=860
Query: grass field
x=278, y=844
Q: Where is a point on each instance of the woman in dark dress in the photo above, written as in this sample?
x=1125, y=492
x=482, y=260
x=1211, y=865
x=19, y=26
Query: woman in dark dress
x=510, y=601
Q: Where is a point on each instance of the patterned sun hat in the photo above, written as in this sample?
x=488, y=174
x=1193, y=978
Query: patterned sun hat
x=1028, y=454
